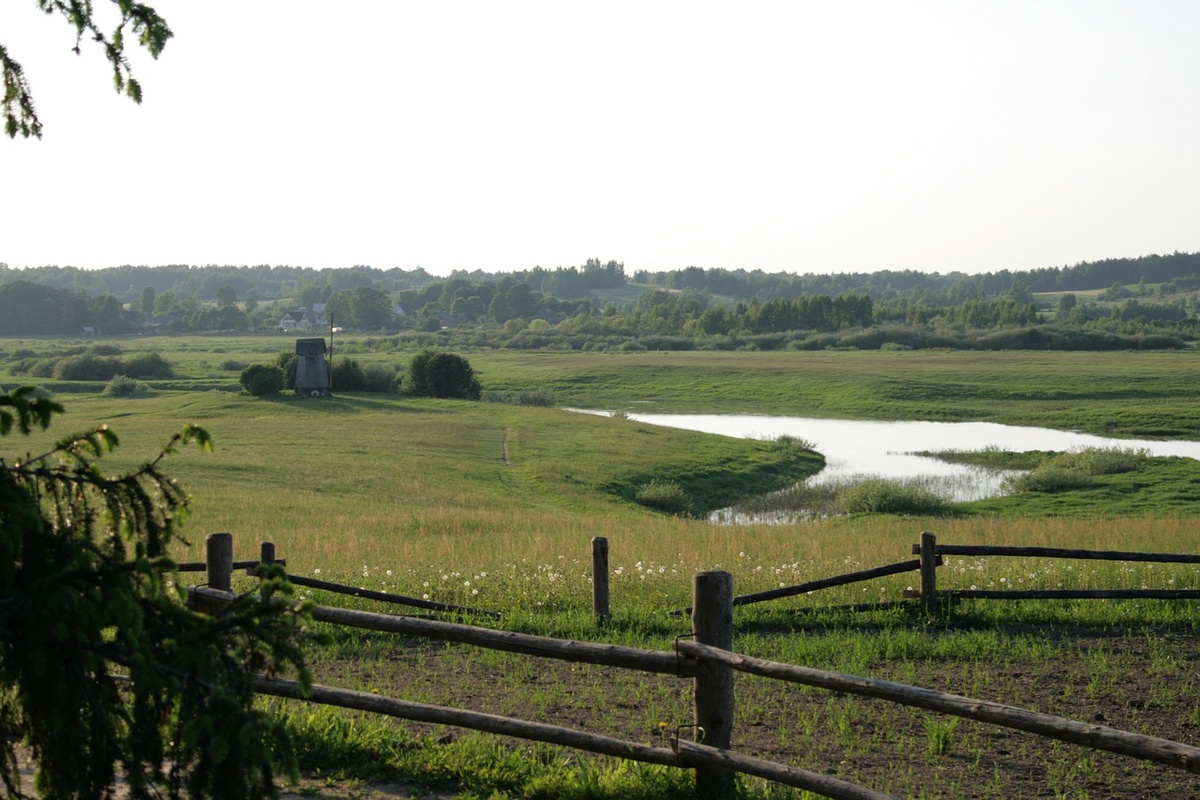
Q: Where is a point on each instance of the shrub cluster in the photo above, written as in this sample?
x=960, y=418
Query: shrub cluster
x=788, y=442
x=1048, y=479
x=95, y=363
x=433, y=374
x=350, y=376
x=538, y=397
x=262, y=379
x=1075, y=469
x=879, y=496
x=124, y=386
x=666, y=496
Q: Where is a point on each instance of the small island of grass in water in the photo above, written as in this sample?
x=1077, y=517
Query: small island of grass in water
x=1018, y=472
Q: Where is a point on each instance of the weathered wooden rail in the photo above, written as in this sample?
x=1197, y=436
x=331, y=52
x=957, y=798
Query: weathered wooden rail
x=710, y=662
x=931, y=556
x=220, y=566
x=387, y=597
x=821, y=583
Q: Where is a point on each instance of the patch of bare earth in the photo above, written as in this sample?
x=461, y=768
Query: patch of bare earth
x=1133, y=681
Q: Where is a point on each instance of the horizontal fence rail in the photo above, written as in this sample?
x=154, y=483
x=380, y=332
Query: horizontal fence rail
x=609, y=655
x=475, y=720
x=398, y=599
x=821, y=583
x=931, y=554
x=200, y=566
x=1072, y=594
x=1059, y=552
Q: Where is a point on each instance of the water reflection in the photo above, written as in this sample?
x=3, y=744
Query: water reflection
x=859, y=448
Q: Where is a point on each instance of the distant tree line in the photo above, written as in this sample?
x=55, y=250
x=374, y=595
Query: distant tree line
x=1149, y=301
x=1182, y=268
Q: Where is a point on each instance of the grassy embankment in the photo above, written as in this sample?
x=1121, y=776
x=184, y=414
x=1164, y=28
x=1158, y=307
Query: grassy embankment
x=417, y=497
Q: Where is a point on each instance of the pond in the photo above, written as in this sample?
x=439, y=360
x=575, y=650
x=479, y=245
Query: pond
x=854, y=449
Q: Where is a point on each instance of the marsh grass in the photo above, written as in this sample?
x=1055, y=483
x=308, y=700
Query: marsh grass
x=992, y=457
x=536, y=397
x=878, y=496
x=850, y=494
x=666, y=496
x=1059, y=472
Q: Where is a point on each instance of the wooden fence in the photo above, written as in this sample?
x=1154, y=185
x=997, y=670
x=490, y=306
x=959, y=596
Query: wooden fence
x=931, y=556
x=932, y=599
x=708, y=660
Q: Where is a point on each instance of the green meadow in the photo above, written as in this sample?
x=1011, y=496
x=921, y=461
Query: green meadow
x=494, y=506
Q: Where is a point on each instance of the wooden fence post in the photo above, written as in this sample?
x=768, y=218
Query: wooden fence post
x=600, y=608
x=712, y=624
x=267, y=553
x=219, y=561
x=928, y=572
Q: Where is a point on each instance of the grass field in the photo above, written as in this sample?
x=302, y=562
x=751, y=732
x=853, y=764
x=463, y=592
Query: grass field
x=1132, y=394
x=494, y=506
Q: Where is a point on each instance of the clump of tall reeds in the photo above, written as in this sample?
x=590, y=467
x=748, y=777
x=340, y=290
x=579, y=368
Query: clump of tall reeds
x=881, y=496
x=789, y=442
x=666, y=496
x=536, y=397
x=1075, y=469
x=857, y=495
x=992, y=457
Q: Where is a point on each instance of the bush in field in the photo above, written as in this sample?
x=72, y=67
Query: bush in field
x=1100, y=460
x=1074, y=470
x=347, y=375
x=380, y=378
x=93, y=366
x=787, y=442
x=666, y=496
x=86, y=367
x=124, y=386
x=261, y=379
x=148, y=365
x=233, y=365
x=1048, y=479
x=445, y=375
x=879, y=496
x=287, y=362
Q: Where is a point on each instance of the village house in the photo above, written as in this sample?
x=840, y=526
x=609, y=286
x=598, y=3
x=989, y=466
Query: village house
x=301, y=320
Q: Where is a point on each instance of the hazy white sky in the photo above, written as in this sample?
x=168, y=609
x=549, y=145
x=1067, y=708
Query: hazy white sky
x=800, y=136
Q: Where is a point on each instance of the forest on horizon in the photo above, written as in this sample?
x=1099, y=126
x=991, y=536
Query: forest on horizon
x=1123, y=303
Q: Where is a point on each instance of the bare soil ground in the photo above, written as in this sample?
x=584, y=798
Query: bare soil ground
x=1134, y=681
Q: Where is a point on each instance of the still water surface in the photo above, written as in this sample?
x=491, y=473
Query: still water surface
x=856, y=448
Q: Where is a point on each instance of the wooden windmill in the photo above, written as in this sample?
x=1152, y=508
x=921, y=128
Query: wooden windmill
x=313, y=377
